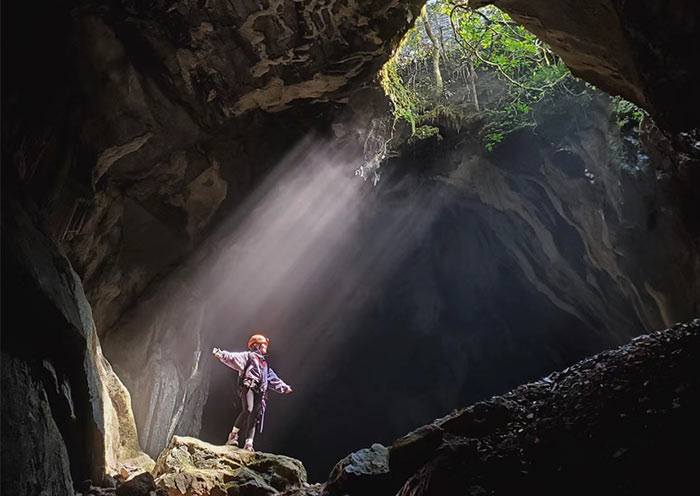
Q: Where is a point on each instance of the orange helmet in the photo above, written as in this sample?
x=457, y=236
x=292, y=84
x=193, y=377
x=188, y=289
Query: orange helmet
x=257, y=338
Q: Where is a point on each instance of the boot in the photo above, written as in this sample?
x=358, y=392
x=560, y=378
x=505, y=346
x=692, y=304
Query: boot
x=248, y=445
x=233, y=438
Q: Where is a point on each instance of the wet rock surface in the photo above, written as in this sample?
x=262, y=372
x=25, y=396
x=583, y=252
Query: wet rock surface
x=192, y=467
x=621, y=422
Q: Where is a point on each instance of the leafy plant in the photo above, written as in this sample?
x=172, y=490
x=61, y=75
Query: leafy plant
x=406, y=103
x=626, y=114
x=492, y=139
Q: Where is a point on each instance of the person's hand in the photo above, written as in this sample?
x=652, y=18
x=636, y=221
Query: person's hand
x=289, y=390
x=217, y=352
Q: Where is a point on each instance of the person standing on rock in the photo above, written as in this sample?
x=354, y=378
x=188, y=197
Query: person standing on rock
x=254, y=378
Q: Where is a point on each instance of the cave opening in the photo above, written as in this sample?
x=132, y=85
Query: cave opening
x=420, y=204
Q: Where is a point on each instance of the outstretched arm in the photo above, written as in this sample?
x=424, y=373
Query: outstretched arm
x=236, y=361
x=277, y=384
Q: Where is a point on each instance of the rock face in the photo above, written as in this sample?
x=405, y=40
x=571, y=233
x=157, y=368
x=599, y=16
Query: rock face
x=620, y=422
x=34, y=455
x=48, y=329
x=190, y=467
x=59, y=423
x=121, y=437
x=607, y=43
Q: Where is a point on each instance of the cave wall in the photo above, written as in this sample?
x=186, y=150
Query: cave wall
x=48, y=330
x=65, y=415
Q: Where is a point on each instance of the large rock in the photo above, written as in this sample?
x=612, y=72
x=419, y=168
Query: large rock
x=190, y=467
x=141, y=485
x=364, y=472
x=410, y=452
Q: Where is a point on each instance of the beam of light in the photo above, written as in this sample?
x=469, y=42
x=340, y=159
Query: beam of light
x=296, y=261
x=302, y=260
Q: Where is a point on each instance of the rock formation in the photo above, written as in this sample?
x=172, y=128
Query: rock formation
x=619, y=422
x=194, y=468
x=65, y=415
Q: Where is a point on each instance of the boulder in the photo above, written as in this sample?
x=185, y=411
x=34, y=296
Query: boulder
x=413, y=450
x=363, y=472
x=141, y=485
x=190, y=467
x=479, y=419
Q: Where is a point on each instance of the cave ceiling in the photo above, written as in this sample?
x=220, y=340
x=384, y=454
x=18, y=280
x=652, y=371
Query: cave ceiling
x=135, y=123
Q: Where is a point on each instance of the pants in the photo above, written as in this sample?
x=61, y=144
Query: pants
x=251, y=402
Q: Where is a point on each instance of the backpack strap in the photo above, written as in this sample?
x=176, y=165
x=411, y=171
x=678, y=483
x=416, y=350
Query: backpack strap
x=241, y=376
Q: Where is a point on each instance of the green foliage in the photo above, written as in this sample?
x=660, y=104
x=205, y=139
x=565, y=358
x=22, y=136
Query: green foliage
x=494, y=42
x=406, y=103
x=627, y=114
x=425, y=131
x=415, y=109
x=480, y=42
x=492, y=139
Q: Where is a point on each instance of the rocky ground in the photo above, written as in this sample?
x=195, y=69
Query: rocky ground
x=192, y=467
x=621, y=422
